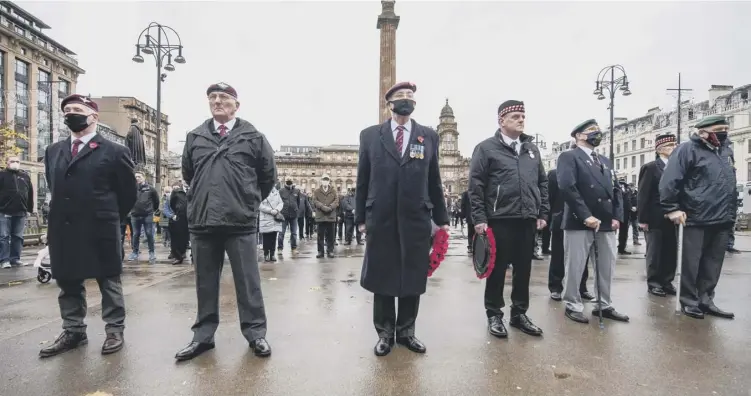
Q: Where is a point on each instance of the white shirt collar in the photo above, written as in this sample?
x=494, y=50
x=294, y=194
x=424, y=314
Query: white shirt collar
x=665, y=160
x=229, y=124
x=509, y=140
x=586, y=150
x=406, y=126
x=84, y=139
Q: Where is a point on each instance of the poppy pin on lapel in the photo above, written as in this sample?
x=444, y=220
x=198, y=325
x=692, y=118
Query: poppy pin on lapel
x=93, y=145
x=420, y=139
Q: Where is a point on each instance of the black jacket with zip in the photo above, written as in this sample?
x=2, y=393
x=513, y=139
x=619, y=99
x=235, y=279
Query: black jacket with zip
x=504, y=185
x=16, y=192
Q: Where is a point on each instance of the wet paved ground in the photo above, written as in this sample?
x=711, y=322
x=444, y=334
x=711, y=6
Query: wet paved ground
x=322, y=338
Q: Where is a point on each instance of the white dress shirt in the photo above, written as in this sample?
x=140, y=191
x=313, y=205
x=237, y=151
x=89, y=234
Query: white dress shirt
x=508, y=141
x=586, y=150
x=84, y=139
x=665, y=160
x=406, y=134
x=230, y=124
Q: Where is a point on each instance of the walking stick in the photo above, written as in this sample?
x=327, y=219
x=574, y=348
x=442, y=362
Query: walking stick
x=679, y=267
x=597, y=278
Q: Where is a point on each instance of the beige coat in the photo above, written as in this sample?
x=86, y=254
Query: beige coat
x=323, y=199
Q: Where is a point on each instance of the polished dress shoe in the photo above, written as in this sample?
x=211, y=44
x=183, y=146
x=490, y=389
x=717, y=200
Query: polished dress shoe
x=177, y=261
x=261, y=347
x=585, y=295
x=383, y=346
x=412, y=343
x=523, y=323
x=669, y=289
x=556, y=296
x=65, y=342
x=194, y=349
x=656, y=291
x=692, y=312
x=330, y=255
x=496, y=327
x=576, y=316
x=714, y=311
x=113, y=343
x=624, y=252
x=611, y=313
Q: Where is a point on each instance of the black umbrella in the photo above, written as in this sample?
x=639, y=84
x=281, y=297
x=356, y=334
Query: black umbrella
x=134, y=142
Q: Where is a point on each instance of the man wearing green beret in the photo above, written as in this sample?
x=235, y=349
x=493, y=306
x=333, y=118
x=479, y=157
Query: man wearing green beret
x=697, y=190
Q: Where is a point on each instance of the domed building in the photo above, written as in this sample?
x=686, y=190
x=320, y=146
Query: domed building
x=454, y=167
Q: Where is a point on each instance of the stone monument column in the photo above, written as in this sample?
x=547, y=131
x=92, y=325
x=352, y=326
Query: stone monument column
x=388, y=21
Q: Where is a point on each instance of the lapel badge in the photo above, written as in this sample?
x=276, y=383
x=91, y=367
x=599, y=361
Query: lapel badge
x=531, y=155
x=589, y=163
x=420, y=139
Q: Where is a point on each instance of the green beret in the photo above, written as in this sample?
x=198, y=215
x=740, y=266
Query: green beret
x=711, y=121
x=584, y=125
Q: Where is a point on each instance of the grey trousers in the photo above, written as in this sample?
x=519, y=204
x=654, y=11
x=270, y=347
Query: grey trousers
x=208, y=255
x=703, y=256
x=577, y=245
x=72, y=301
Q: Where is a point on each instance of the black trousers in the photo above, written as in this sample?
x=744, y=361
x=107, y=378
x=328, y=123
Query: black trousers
x=662, y=254
x=72, y=302
x=623, y=230
x=350, y=229
x=339, y=228
x=546, y=235
x=703, y=256
x=326, y=234
x=269, y=242
x=180, y=237
x=470, y=234
x=301, y=226
x=310, y=226
x=386, y=321
x=514, y=242
x=557, y=269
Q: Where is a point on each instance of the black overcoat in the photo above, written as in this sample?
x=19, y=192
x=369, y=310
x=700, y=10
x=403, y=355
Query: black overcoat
x=648, y=207
x=91, y=194
x=395, y=198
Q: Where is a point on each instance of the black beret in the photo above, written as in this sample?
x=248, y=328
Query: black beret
x=581, y=127
x=664, y=138
x=398, y=86
x=711, y=121
x=222, y=87
x=510, y=106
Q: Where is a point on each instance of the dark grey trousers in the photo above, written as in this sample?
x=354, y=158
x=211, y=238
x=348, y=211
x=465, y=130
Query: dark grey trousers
x=208, y=256
x=703, y=256
x=72, y=301
x=662, y=255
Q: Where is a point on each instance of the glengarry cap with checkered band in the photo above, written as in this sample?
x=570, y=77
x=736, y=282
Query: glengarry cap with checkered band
x=510, y=106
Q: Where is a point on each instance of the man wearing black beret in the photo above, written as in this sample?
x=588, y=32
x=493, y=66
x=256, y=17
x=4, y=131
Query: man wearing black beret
x=398, y=193
x=508, y=189
x=698, y=190
x=592, y=214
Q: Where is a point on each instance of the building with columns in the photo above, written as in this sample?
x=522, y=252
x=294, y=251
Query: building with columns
x=36, y=74
x=305, y=165
x=634, y=139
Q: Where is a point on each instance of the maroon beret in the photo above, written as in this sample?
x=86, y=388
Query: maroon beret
x=222, y=87
x=398, y=86
x=80, y=99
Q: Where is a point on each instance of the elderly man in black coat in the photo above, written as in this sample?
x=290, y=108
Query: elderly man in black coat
x=93, y=188
x=398, y=190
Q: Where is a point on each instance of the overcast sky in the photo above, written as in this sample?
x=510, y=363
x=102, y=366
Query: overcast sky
x=307, y=72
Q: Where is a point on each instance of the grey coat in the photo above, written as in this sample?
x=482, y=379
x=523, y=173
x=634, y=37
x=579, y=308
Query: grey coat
x=268, y=222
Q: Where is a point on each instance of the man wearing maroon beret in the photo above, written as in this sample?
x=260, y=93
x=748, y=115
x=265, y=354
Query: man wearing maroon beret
x=398, y=192
x=93, y=188
x=230, y=168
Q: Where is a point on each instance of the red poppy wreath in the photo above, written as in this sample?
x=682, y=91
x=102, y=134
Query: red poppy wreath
x=440, y=247
x=491, y=254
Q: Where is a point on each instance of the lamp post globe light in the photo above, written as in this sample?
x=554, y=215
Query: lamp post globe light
x=162, y=42
x=608, y=82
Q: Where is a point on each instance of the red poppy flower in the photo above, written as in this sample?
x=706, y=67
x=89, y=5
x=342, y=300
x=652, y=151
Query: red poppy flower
x=440, y=247
x=420, y=139
x=93, y=145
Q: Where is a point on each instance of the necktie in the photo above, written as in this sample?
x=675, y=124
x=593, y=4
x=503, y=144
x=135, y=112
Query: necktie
x=513, y=146
x=222, y=130
x=399, y=139
x=76, y=143
x=596, y=159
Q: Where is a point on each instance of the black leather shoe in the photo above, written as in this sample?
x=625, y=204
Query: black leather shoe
x=272, y=259
x=585, y=295
x=576, y=316
x=192, y=350
x=383, y=346
x=556, y=296
x=669, y=289
x=319, y=255
x=330, y=255
x=657, y=291
x=637, y=243
x=113, y=343
x=714, y=311
x=624, y=252
x=692, y=312
x=611, y=313
x=412, y=343
x=523, y=323
x=261, y=347
x=65, y=342
x=496, y=327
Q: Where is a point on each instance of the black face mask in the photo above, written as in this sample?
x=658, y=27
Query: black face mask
x=76, y=122
x=403, y=107
x=594, y=138
x=721, y=136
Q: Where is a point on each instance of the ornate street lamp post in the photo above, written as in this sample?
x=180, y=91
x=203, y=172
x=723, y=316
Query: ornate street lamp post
x=611, y=86
x=155, y=40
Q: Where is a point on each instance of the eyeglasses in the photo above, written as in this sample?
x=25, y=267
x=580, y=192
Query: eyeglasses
x=14, y=161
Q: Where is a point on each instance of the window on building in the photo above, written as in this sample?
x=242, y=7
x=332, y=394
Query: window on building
x=22, y=106
x=2, y=90
x=748, y=144
x=748, y=170
x=642, y=142
x=633, y=179
x=641, y=160
x=633, y=160
x=633, y=145
x=44, y=121
x=617, y=164
x=617, y=148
